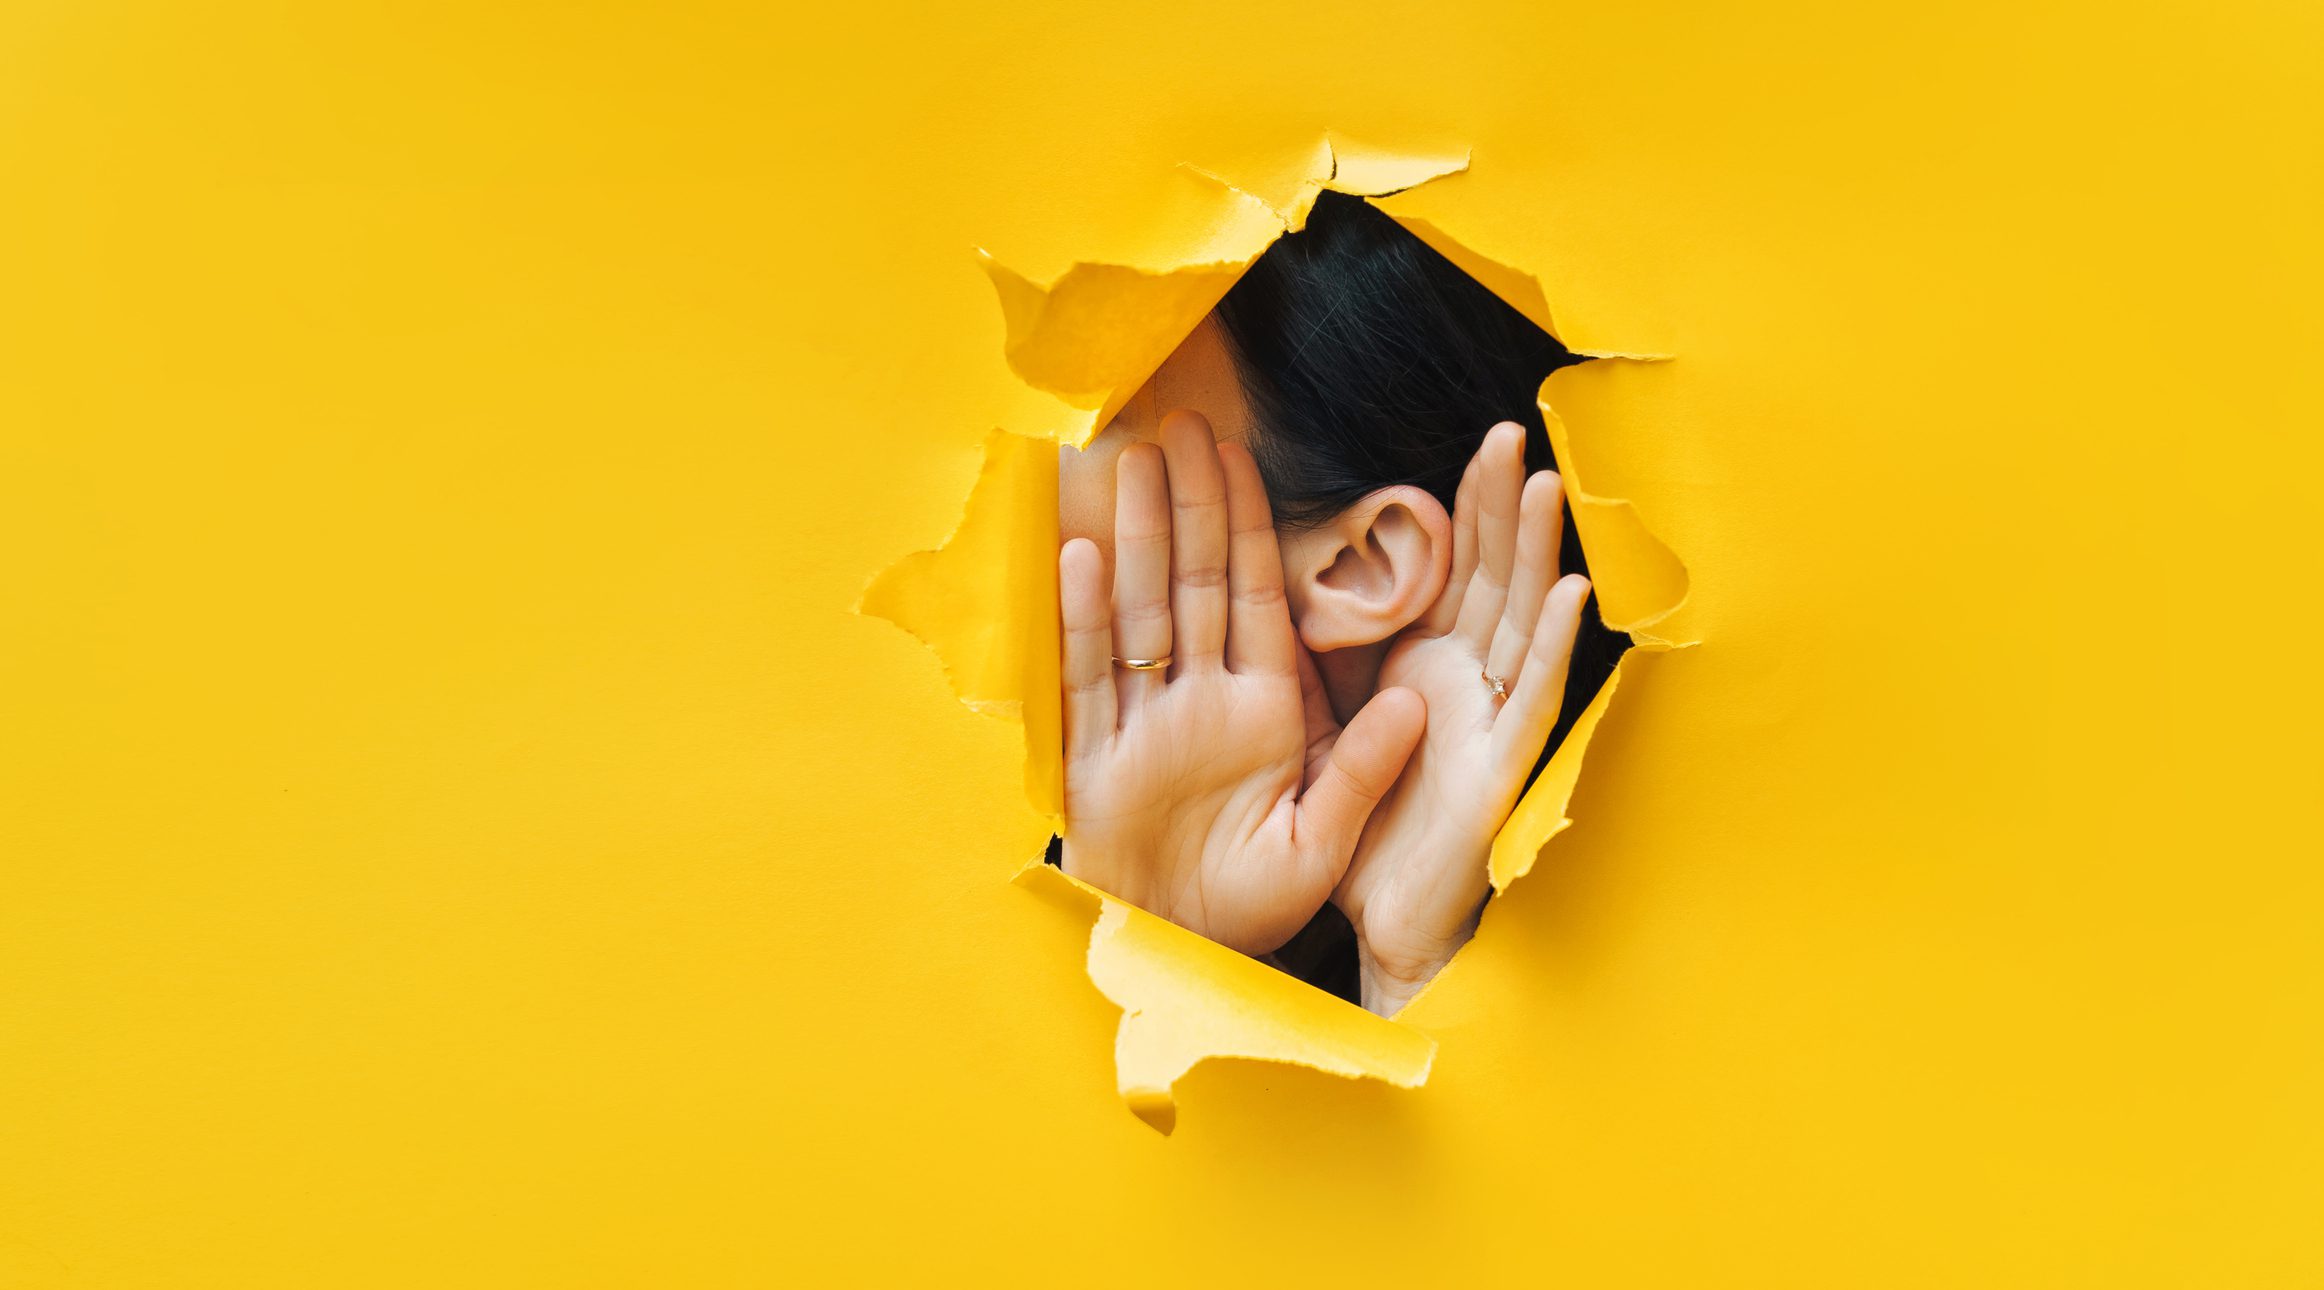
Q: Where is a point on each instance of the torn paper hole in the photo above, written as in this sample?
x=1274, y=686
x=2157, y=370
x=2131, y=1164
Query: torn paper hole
x=986, y=603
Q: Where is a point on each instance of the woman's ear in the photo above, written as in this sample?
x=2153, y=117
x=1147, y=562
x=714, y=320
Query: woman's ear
x=1368, y=572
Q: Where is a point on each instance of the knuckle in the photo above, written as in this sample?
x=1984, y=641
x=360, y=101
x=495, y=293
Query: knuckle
x=1352, y=782
x=1259, y=595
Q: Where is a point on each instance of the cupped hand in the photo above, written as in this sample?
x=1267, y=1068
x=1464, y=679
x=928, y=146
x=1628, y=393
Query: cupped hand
x=1489, y=659
x=1206, y=792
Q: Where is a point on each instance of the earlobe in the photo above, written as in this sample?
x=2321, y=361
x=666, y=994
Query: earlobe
x=1367, y=573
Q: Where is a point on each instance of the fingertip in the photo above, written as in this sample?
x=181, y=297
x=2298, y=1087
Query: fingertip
x=1508, y=436
x=1542, y=490
x=1248, y=507
x=1079, y=555
x=1238, y=462
x=1401, y=707
x=1381, y=739
x=1574, y=587
x=1185, y=423
x=1408, y=724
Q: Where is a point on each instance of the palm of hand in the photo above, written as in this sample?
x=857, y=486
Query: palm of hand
x=1418, y=876
x=1418, y=879
x=1207, y=793
x=1191, y=805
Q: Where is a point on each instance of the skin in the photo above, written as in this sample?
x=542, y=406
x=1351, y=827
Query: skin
x=1417, y=885
x=1199, y=377
x=1206, y=793
x=1225, y=793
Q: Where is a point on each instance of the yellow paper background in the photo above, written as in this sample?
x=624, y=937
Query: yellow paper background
x=454, y=829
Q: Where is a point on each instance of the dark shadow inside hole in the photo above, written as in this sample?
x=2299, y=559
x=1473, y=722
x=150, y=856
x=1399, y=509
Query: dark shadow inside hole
x=1368, y=360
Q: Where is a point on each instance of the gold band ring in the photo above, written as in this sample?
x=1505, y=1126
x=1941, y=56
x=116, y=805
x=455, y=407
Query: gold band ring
x=1143, y=664
x=1500, y=687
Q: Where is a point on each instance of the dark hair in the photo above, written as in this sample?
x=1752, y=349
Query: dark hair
x=1370, y=360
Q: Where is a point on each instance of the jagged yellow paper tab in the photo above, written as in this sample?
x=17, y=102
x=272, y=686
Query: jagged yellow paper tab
x=1540, y=814
x=1186, y=999
x=1336, y=165
x=1640, y=582
x=981, y=601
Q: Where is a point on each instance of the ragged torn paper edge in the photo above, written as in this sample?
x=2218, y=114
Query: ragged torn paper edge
x=986, y=603
x=1001, y=662
x=1091, y=338
x=1185, y=999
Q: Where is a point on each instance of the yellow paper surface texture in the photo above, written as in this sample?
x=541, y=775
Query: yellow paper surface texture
x=457, y=828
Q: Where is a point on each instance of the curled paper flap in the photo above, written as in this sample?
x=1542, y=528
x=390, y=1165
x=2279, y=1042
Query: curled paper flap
x=1093, y=336
x=1640, y=582
x=1540, y=814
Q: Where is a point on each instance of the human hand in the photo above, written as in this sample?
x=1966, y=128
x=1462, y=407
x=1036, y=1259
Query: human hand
x=1417, y=885
x=1206, y=792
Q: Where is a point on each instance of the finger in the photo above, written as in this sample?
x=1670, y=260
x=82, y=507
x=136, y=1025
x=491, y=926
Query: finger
x=1500, y=486
x=1442, y=615
x=1141, y=568
x=1090, y=711
x=1363, y=766
x=1531, y=713
x=1540, y=522
x=1259, y=636
x=1198, y=543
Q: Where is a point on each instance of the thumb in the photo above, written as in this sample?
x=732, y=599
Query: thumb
x=1364, y=764
x=1322, y=730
